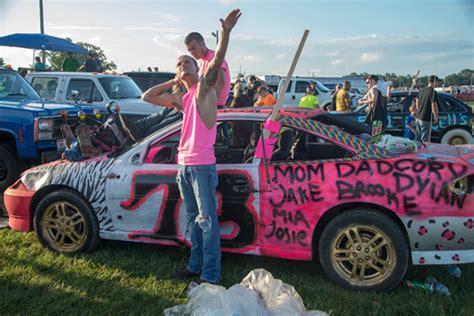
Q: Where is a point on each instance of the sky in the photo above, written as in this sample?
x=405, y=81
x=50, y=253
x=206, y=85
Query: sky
x=345, y=36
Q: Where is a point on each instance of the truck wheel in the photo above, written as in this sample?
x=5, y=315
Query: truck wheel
x=457, y=136
x=8, y=167
x=364, y=250
x=65, y=222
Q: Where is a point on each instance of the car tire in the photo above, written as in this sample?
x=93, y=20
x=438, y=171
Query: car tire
x=457, y=136
x=352, y=258
x=65, y=222
x=8, y=167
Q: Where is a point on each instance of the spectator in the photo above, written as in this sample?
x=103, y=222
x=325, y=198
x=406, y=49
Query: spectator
x=39, y=65
x=333, y=97
x=70, y=63
x=92, y=64
x=410, y=125
x=343, y=99
x=254, y=84
x=265, y=98
x=376, y=110
x=309, y=100
x=240, y=99
x=197, y=48
x=426, y=109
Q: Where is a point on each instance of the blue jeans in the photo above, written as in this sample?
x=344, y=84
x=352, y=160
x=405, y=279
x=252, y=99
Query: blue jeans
x=423, y=130
x=197, y=185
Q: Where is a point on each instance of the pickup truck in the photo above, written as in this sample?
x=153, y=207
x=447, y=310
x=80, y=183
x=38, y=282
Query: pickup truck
x=297, y=88
x=29, y=126
x=94, y=89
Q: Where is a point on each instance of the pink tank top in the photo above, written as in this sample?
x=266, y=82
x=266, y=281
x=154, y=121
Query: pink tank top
x=196, y=146
x=204, y=63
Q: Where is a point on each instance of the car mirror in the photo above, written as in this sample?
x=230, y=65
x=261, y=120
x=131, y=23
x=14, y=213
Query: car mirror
x=112, y=107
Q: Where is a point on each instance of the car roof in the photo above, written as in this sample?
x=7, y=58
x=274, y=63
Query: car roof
x=75, y=74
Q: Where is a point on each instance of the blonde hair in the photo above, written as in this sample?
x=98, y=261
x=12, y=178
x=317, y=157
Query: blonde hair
x=238, y=90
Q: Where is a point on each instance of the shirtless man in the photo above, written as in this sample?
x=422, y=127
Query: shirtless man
x=197, y=176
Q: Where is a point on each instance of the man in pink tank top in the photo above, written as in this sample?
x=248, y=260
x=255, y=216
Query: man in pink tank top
x=197, y=176
x=197, y=48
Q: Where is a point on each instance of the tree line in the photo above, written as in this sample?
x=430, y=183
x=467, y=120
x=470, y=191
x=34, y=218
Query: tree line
x=464, y=77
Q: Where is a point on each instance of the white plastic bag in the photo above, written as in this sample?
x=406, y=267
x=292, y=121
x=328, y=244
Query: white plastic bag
x=258, y=294
x=397, y=145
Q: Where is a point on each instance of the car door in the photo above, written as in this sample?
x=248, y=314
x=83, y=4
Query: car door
x=297, y=194
x=145, y=203
x=90, y=94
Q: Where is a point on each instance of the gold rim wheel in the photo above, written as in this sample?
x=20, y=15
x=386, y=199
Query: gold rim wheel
x=363, y=255
x=457, y=140
x=64, y=226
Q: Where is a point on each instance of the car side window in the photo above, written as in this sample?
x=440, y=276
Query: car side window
x=288, y=90
x=87, y=89
x=450, y=104
x=299, y=145
x=301, y=86
x=397, y=104
x=45, y=86
x=235, y=141
x=443, y=107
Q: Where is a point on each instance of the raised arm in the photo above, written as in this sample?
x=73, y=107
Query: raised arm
x=158, y=95
x=227, y=25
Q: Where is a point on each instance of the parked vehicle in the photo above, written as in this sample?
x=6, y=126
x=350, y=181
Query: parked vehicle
x=147, y=79
x=94, y=89
x=365, y=213
x=454, y=126
x=29, y=126
x=297, y=88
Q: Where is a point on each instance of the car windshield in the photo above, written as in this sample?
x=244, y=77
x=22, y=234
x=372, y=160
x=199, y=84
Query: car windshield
x=120, y=88
x=322, y=88
x=14, y=85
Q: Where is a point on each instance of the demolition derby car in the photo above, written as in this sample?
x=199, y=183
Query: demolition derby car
x=323, y=192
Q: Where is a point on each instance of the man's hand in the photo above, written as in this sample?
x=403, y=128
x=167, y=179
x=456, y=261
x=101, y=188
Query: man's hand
x=231, y=19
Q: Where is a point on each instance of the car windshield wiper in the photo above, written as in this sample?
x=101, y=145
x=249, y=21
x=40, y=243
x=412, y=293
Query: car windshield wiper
x=16, y=94
x=130, y=97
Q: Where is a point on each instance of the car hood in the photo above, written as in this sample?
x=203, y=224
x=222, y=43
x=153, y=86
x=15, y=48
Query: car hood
x=442, y=152
x=41, y=108
x=136, y=106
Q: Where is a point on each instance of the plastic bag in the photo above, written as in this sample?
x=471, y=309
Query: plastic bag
x=397, y=145
x=258, y=294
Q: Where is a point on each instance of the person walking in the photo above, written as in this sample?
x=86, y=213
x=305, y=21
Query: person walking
x=197, y=176
x=427, y=109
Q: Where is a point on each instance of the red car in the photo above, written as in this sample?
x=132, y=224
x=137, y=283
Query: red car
x=322, y=192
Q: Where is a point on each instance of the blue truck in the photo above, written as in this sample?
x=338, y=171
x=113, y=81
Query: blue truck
x=29, y=126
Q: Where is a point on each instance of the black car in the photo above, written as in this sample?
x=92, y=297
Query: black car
x=147, y=79
x=454, y=126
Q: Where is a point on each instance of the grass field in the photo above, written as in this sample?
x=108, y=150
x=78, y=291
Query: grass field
x=129, y=278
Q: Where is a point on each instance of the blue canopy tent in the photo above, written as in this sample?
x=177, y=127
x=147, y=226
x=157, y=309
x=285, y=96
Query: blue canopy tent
x=41, y=41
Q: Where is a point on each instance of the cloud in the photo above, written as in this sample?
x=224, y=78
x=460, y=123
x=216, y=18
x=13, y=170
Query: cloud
x=369, y=57
x=96, y=40
x=226, y=2
x=252, y=58
x=176, y=48
x=336, y=62
x=167, y=16
x=280, y=56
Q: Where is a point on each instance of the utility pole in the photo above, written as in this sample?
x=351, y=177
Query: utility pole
x=43, y=55
x=216, y=35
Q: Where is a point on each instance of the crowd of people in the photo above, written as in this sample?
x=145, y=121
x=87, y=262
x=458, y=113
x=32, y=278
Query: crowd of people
x=70, y=63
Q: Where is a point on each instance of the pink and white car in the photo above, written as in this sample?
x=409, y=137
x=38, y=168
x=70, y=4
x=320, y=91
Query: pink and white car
x=363, y=212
